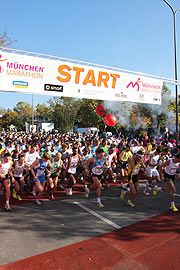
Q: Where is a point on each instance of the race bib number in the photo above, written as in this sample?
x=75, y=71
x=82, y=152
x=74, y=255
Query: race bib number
x=97, y=170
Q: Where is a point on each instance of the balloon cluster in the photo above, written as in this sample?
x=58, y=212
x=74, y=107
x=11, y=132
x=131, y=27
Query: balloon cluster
x=109, y=119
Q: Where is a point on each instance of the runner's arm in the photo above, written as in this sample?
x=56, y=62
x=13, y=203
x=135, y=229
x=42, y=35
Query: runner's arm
x=166, y=163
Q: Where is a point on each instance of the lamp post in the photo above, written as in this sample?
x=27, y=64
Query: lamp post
x=176, y=77
x=32, y=110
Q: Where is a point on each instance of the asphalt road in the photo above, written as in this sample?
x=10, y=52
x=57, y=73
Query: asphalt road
x=30, y=229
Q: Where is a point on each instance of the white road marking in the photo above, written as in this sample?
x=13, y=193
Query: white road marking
x=98, y=216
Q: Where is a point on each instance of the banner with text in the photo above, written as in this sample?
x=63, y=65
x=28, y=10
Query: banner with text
x=37, y=75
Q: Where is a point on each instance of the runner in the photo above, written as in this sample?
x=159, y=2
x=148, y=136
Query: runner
x=98, y=165
x=5, y=177
x=134, y=164
x=123, y=157
x=152, y=172
x=30, y=157
x=38, y=169
x=108, y=174
x=53, y=177
x=71, y=169
x=82, y=169
x=171, y=166
x=19, y=169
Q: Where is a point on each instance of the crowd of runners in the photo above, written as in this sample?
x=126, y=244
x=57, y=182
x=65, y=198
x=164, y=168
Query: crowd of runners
x=45, y=162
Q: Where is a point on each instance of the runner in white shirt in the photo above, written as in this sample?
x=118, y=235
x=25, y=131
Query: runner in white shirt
x=10, y=147
x=171, y=167
x=99, y=163
x=5, y=176
x=32, y=155
x=152, y=172
x=19, y=169
x=71, y=168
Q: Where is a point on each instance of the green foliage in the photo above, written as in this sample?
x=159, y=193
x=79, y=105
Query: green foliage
x=2, y=110
x=87, y=116
x=23, y=108
x=161, y=120
x=43, y=110
x=64, y=112
x=8, y=119
x=12, y=118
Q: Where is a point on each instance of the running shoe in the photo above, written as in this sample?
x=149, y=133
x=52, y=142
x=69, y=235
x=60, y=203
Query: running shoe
x=19, y=198
x=131, y=204
x=14, y=194
x=100, y=205
x=86, y=192
x=146, y=193
x=122, y=185
x=51, y=197
x=114, y=180
x=174, y=209
x=122, y=196
x=38, y=202
x=69, y=191
x=155, y=190
x=7, y=207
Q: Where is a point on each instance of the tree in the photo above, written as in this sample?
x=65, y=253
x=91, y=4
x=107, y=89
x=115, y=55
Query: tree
x=5, y=40
x=43, y=111
x=64, y=112
x=8, y=119
x=23, y=108
x=12, y=118
x=87, y=116
x=172, y=108
x=2, y=110
x=140, y=117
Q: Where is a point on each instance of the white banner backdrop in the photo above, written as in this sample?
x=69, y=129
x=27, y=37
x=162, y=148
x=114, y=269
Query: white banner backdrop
x=37, y=75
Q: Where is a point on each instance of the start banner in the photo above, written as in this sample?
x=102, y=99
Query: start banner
x=38, y=75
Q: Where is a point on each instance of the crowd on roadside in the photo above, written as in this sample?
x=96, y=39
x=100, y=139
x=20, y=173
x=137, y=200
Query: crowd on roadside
x=45, y=162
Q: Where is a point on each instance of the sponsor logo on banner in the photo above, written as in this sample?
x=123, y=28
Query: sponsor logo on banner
x=24, y=70
x=145, y=87
x=20, y=84
x=141, y=96
x=52, y=87
x=135, y=85
x=121, y=95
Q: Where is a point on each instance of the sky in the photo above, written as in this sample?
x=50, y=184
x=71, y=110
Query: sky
x=133, y=35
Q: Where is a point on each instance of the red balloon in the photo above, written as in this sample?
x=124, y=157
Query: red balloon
x=110, y=120
x=100, y=110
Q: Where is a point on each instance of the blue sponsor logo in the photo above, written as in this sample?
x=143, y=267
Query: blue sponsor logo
x=20, y=84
